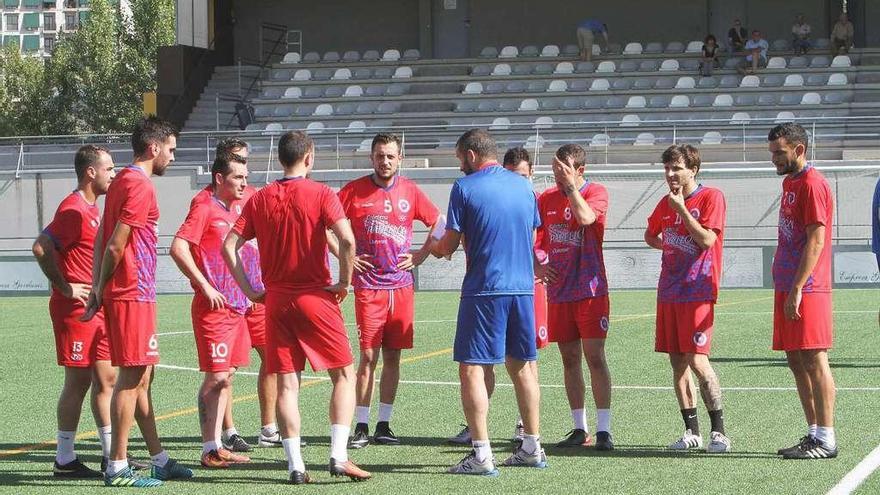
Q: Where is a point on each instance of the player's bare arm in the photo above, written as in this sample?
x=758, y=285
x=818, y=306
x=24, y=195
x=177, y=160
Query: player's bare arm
x=702, y=236
x=410, y=260
x=567, y=177
x=447, y=244
x=342, y=231
x=655, y=241
x=107, y=262
x=47, y=257
x=332, y=244
x=180, y=253
x=543, y=271
x=231, y=246
x=812, y=250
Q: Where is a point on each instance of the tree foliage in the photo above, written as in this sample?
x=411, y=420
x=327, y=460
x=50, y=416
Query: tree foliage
x=95, y=79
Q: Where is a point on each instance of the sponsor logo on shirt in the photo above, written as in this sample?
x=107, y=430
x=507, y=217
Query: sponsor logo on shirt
x=678, y=241
x=378, y=224
x=786, y=228
x=559, y=234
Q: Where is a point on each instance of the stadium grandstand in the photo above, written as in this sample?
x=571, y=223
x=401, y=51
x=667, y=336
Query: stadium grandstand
x=357, y=75
x=256, y=70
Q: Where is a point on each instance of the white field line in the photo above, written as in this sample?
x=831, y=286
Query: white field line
x=633, y=315
x=551, y=385
x=858, y=475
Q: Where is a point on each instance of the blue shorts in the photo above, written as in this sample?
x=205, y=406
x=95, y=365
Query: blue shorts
x=491, y=328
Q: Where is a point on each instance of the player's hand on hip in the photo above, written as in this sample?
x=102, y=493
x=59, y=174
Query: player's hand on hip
x=793, y=304
x=339, y=290
x=408, y=261
x=217, y=300
x=93, y=305
x=362, y=263
x=80, y=292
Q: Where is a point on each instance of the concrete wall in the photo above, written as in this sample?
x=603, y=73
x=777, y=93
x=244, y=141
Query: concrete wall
x=330, y=25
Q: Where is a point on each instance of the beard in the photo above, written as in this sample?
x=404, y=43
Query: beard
x=788, y=168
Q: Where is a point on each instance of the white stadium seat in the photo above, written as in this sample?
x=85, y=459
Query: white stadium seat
x=633, y=49
x=750, y=81
x=356, y=126
x=600, y=140
x=794, y=80
x=711, y=137
x=302, y=75
x=680, y=101
x=291, y=58
x=500, y=124
x=528, y=105
x=740, y=118
x=637, y=101
x=315, y=128
x=776, y=63
x=557, y=86
x=501, y=70
x=342, y=74
x=292, y=93
x=600, y=85
x=543, y=123
x=508, y=52
x=841, y=61
x=669, y=65
x=473, y=88
x=630, y=120
x=723, y=100
x=644, y=139
x=402, y=73
x=391, y=55
x=685, y=82
x=694, y=47
x=837, y=79
x=606, y=66
x=564, y=68
x=550, y=51
x=783, y=117
x=353, y=92
x=811, y=99
x=323, y=109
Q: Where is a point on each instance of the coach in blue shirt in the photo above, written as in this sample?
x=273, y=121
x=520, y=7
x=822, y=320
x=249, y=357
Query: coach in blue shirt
x=496, y=212
x=587, y=32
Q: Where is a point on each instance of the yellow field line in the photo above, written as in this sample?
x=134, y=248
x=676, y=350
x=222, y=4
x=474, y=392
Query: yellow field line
x=192, y=410
x=648, y=315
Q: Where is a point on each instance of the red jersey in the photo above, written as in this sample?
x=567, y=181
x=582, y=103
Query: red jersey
x=382, y=220
x=205, y=229
x=250, y=256
x=289, y=219
x=574, y=251
x=132, y=200
x=687, y=272
x=73, y=230
x=806, y=200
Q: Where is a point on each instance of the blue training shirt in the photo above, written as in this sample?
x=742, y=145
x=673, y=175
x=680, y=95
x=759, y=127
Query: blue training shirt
x=875, y=220
x=497, y=212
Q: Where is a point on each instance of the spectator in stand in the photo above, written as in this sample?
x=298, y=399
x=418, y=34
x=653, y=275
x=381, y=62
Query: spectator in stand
x=841, y=35
x=587, y=31
x=736, y=37
x=800, y=33
x=756, y=53
x=709, y=58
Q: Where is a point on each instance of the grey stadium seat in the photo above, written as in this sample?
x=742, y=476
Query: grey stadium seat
x=362, y=73
x=745, y=100
x=797, y=62
x=570, y=50
x=263, y=111
x=333, y=92
x=816, y=79
x=689, y=64
x=494, y=87
x=653, y=47
x=311, y=58
x=648, y=66
x=543, y=69
x=466, y=106
x=529, y=51
x=772, y=81
x=313, y=92
x=779, y=45
x=733, y=62
x=628, y=66
x=322, y=74
x=578, y=85
x=487, y=106
x=513, y=87
x=729, y=81
x=397, y=89
x=820, y=62
x=585, y=67
x=280, y=75
x=481, y=70
x=383, y=73
x=489, y=52
x=702, y=100
x=283, y=110
x=659, y=101
x=371, y=56
x=621, y=84
x=375, y=90
x=273, y=92
x=708, y=82
x=550, y=104
x=643, y=83
x=790, y=99
x=664, y=83
x=411, y=54
x=345, y=109
x=614, y=102
x=387, y=107
x=522, y=69
x=767, y=99
x=537, y=87
x=834, y=98
x=366, y=108
x=304, y=110
x=675, y=47
x=351, y=56
x=571, y=104
x=331, y=57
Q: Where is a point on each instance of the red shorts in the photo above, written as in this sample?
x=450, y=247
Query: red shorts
x=384, y=317
x=542, y=339
x=78, y=344
x=584, y=319
x=222, y=338
x=305, y=325
x=131, y=329
x=815, y=329
x=684, y=327
x=256, y=324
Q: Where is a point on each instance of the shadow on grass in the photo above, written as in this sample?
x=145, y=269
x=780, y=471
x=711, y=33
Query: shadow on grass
x=652, y=451
x=835, y=362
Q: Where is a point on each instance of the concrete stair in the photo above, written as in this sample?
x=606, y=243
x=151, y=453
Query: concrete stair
x=229, y=86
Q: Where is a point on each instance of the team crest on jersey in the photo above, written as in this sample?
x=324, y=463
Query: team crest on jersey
x=542, y=332
x=695, y=213
x=603, y=323
x=403, y=205
x=93, y=223
x=700, y=339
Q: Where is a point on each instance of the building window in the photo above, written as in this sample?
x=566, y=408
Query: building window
x=69, y=4
x=31, y=43
x=10, y=4
x=12, y=22
x=70, y=21
x=31, y=21
x=48, y=5
x=49, y=22
x=48, y=44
